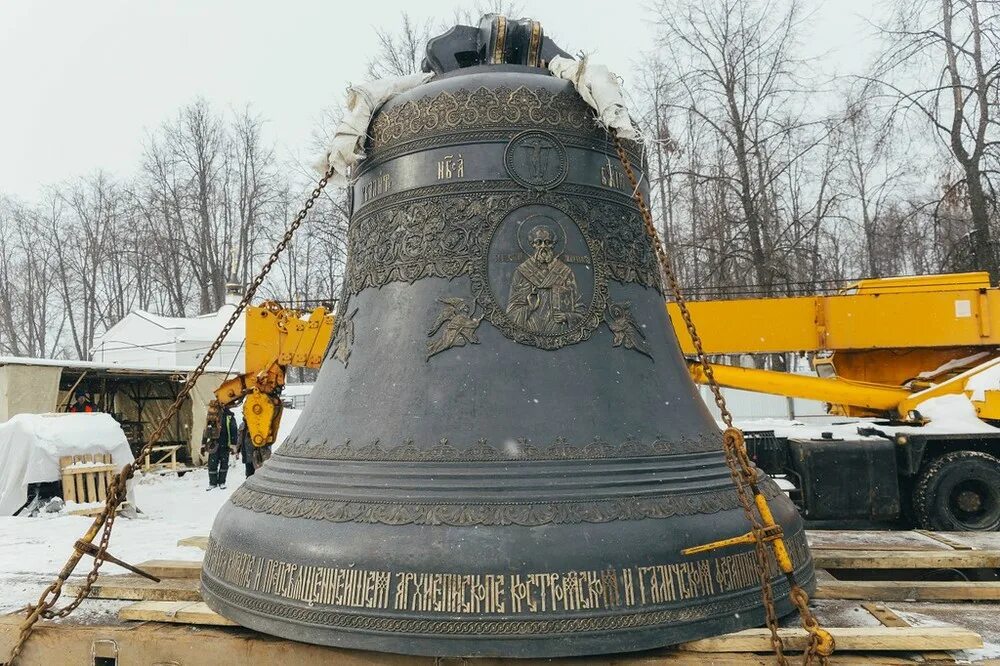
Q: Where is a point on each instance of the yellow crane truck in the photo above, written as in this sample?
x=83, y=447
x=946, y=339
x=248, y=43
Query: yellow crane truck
x=880, y=348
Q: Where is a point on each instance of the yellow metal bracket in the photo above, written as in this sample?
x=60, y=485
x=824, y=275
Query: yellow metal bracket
x=769, y=534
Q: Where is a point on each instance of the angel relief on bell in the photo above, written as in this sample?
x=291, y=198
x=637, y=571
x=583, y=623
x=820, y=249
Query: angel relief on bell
x=456, y=324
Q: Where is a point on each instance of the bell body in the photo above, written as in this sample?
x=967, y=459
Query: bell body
x=504, y=453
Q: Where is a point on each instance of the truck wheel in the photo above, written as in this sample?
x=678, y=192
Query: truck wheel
x=960, y=491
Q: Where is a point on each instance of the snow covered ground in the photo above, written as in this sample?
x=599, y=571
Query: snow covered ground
x=32, y=550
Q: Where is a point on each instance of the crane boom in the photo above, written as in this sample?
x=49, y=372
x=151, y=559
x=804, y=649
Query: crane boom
x=880, y=347
x=276, y=338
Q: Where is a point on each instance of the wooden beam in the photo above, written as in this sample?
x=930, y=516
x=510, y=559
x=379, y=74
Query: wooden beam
x=155, y=643
x=137, y=588
x=172, y=568
x=178, y=612
x=907, y=590
x=847, y=638
x=194, y=542
x=886, y=616
x=943, y=537
x=936, y=559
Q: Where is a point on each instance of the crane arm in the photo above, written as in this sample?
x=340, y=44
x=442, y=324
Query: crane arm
x=876, y=398
x=276, y=338
x=953, y=311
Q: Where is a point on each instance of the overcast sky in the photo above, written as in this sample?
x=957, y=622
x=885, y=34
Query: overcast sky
x=84, y=81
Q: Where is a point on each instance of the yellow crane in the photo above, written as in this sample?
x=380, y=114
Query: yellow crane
x=276, y=338
x=880, y=348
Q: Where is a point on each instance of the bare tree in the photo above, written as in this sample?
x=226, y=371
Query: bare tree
x=941, y=64
x=737, y=80
x=399, y=51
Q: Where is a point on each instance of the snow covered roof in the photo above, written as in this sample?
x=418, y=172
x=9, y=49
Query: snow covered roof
x=150, y=331
x=91, y=365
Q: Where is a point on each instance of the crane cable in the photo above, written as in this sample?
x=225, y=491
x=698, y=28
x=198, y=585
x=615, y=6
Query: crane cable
x=104, y=522
x=762, y=526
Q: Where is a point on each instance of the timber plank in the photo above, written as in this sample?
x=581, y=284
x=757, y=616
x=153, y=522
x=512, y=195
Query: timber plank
x=154, y=642
x=906, y=590
x=876, y=559
x=178, y=612
x=194, y=542
x=172, y=568
x=872, y=540
x=136, y=588
x=865, y=639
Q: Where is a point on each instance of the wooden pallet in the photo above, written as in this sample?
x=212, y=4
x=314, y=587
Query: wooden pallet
x=177, y=612
x=85, y=479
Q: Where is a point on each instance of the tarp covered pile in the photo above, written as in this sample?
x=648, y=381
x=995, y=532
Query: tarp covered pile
x=31, y=445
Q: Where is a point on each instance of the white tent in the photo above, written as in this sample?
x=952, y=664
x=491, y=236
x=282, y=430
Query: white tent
x=151, y=341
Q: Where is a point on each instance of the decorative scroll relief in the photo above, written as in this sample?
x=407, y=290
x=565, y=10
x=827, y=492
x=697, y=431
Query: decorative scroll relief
x=485, y=513
x=440, y=232
x=499, y=593
x=517, y=449
x=539, y=271
x=482, y=109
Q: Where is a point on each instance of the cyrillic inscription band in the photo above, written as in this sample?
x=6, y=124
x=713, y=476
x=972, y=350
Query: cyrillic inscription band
x=494, y=593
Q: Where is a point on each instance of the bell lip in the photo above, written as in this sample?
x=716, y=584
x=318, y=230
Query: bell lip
x=539, y=646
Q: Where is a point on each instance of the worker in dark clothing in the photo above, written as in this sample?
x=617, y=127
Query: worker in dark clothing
x=82, y=403
x=220, y=449
x=246, y=449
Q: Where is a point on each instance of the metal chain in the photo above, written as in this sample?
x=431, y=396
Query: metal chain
x=117, y=490
x=740, y=468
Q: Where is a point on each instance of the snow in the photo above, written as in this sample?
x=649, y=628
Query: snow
x=147, y=339
x=31, y=445
x=952, y=364
x=986, y=377
x=33, y=550
x=950, y=414
x=93, y=365
x=839, y=427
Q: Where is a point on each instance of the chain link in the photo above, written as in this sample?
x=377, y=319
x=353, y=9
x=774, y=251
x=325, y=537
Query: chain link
x=116, y=493
x=740, y=468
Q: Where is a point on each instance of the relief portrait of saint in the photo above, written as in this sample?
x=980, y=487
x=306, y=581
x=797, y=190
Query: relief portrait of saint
x=544, y=297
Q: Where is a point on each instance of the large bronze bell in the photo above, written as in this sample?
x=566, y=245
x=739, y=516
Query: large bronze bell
x=504, y=453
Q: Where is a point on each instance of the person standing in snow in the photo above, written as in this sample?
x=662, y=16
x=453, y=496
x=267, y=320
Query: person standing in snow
x=219, y=450
x=245, y=449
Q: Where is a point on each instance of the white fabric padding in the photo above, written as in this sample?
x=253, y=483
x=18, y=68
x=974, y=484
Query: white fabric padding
x=31, y=445
x=601, y=90
x=347, y=147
